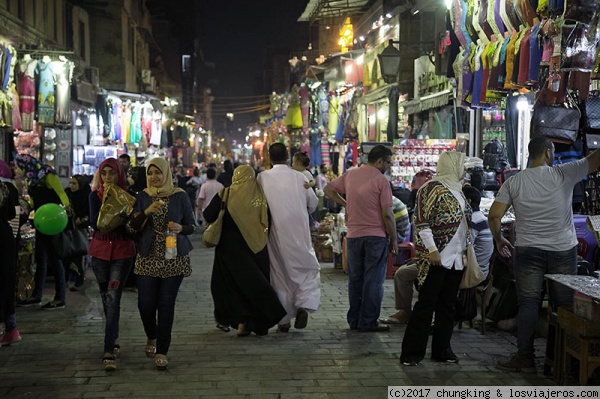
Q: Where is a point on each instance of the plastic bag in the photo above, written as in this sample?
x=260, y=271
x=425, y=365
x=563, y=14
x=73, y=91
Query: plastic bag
x=117, y=205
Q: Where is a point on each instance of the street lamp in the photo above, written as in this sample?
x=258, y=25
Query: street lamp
x=389, y=62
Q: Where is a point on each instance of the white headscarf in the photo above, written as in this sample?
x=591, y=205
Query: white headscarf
x=450, y=169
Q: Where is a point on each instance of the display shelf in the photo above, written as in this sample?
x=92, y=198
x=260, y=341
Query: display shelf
x=412, y=155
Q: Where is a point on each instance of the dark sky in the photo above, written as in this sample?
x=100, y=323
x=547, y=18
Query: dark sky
x=238, y=33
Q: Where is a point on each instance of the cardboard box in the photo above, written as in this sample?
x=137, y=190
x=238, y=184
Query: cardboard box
x=585, y=306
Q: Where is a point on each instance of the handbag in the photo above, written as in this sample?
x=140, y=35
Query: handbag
x=70, y=243
x=472, y=275
x=555, y=122
x=212, y=234
x=117, y=205
x=592, y=115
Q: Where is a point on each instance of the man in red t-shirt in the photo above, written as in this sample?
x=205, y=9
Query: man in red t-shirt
x=371, y=233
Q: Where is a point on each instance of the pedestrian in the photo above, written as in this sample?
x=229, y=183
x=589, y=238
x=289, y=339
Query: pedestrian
x=160, y=209
x=242, y=293
x=112, y=253
x=295, y=270
x=546, y=241
x=300, y=162
x=79, y=193
x=44, y=187
x=371, y=235
x=9, y=216
x=209, y=189
x=442, y=216
x=193, y=189
x=226, y=176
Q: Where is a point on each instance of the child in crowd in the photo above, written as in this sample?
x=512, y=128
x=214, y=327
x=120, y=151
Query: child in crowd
x=300, y=162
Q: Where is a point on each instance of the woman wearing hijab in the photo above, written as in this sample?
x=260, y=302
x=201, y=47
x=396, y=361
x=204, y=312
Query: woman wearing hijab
x=79, y=196
x=441, y=218
x=112, y=253
x=9, y=214
x=44, y=187
x=240, y=285
x=160, y=208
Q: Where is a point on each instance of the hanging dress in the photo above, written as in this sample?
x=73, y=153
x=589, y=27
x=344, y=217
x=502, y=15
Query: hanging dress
x=45, y=96
x=25, y=75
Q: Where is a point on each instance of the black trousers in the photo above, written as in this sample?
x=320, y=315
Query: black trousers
x=438, y=294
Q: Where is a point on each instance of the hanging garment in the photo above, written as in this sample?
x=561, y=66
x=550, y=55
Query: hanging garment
x=510, y=61
x=495, y=5
x=135, y=131
x=147, y=121
x=63, y=91
x=325, y=160
x=45, y=94
x=334, y=112
x=323, y=107
x=458, y=73
x=535, y=54
x=315, y=147
x=525, y=57
x=125, y=122
x=155, y=137
x=16, y=112
x=117, y=116
x=502, y=63
x=477, y=76
x=7, y=70
x=304, y=95
x=457, y=15
x=26, y=73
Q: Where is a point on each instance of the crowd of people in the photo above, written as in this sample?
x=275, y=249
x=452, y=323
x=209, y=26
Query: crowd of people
x=265, y=271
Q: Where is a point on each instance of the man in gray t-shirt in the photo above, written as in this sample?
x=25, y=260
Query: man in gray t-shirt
x=541, y=196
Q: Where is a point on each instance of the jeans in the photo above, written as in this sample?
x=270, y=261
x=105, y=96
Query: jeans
x=8, y=279
x=44, y=253
x=437, y=295
x=158, y=295
x=530, y=265
x=367, y=262
x=111, y=277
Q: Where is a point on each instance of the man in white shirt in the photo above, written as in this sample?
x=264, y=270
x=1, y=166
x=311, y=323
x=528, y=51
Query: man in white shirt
x=295, y=270
x=208, y=189
x=546, y=242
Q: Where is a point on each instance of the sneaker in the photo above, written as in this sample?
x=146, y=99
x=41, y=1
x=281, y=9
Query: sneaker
x=30, y=302
x=52, y=305
x=109, y=362
x=517, y=363
x=10, y=337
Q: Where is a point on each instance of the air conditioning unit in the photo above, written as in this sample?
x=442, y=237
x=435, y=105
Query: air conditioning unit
x=92, y=75
x=146, y=76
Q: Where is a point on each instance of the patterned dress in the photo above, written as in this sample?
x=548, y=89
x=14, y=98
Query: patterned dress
x=155, y=264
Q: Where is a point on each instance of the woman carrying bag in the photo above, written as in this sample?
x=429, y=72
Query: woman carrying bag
x=240, y=285
x=79, y=194
x=161, y=210
x=112, y=253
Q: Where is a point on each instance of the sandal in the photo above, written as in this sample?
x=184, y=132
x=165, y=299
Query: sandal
x=241, y=330
x=151, y=348
x=161, y=362
x=223, y=327
x=109, y=362
x=284, y=328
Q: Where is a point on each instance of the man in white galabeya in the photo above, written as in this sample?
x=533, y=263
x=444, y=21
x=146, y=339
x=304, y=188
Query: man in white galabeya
x=546, y=242
x=295, y=270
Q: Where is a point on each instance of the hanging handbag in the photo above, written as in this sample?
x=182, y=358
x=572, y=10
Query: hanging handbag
x=212, y=234
x=70, y=243
x=558, y=123
x=117, y=205
x=472, y=274
x=592, y=115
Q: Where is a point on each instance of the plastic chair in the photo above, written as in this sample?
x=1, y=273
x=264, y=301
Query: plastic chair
x=394, y=262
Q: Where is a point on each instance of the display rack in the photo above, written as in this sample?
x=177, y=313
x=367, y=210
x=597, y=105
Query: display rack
x=411, y=156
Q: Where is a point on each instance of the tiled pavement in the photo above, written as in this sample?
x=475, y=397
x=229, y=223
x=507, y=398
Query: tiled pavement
x=60, y=354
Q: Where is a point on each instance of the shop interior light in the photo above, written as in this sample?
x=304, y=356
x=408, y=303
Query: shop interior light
x=382, y=114
x=388, y=15
x=448, y=4
x=522, y=103
x=414, y=10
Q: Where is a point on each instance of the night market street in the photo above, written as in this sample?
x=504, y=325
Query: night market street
x=60, y=354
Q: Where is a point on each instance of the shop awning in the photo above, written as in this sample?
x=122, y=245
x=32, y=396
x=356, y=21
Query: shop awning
x=424, y=103
x=319, y=9
x=378, y=95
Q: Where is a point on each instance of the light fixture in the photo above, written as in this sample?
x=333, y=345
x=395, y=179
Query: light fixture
x=388, y=15
x=389, y=62
x=522, y=103
x=414, y=10
x=310, y=46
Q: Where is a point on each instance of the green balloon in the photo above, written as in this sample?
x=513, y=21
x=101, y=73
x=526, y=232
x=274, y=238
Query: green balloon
x=50, y=219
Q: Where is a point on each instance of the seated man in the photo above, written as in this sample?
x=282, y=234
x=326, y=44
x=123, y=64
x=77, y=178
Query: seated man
x=405, y=276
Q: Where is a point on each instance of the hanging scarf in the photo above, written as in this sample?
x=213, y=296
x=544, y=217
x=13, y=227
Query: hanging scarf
x=166, y=188
x=114, y=165
x=33, y=170
x=450, y=169
x=247, y=206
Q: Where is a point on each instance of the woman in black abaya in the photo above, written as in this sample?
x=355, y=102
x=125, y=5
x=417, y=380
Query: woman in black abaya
x=240, y=285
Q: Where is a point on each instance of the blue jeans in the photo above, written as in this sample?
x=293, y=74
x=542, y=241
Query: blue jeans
x=44, y=253
x=367, y=262
x=111, y=277
x=529, y=267
x=158, y=295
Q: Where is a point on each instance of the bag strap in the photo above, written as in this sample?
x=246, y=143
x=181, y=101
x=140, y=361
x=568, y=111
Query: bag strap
x=225, y=197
